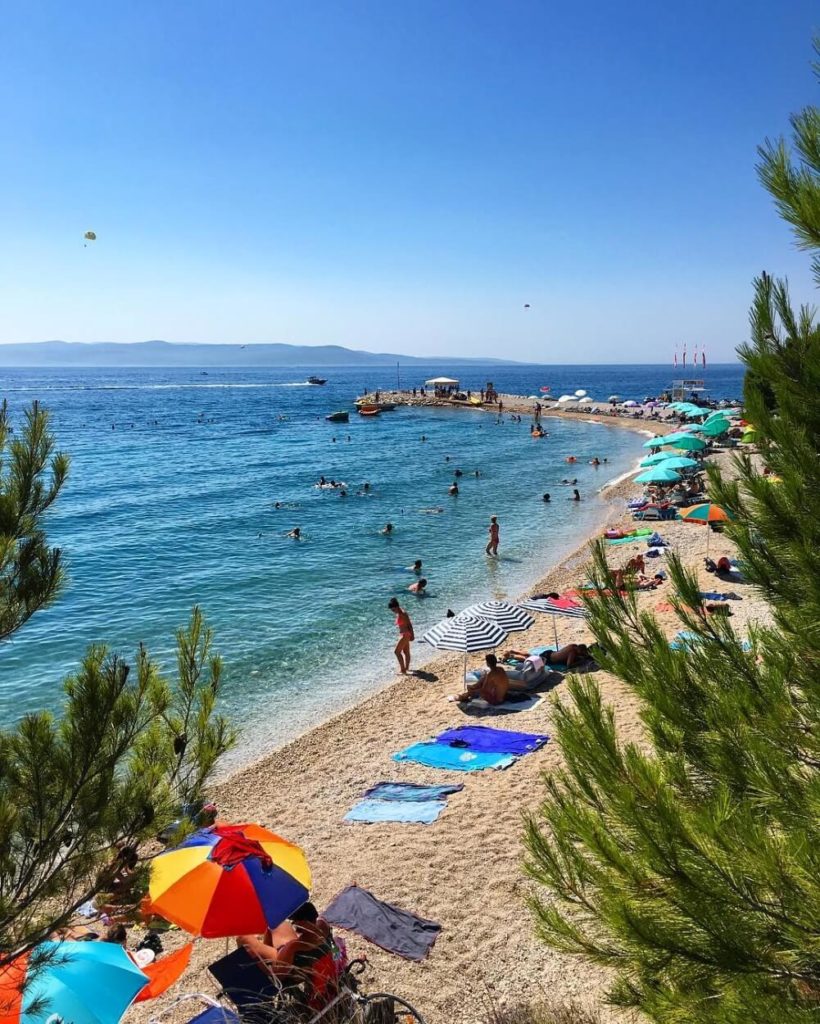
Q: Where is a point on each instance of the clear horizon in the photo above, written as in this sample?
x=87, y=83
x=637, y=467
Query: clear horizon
x=469, y=180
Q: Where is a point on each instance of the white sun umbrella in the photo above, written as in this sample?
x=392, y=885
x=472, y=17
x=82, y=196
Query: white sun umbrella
x=630, y=403
x=465, y=633
x=566, y=398
x=614, y=398
x=580, y=393
x=586, y=401
x=510, y=617
x=563, y=606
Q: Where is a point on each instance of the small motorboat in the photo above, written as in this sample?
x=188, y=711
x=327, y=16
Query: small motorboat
x=316, y=380
x=369, y=410
x=342, y=416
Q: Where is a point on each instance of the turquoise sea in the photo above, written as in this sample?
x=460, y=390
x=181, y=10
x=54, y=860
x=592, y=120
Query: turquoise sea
x=170, y=502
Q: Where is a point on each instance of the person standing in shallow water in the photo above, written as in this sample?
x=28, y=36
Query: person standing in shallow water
x=406, y=635
x=492, y=543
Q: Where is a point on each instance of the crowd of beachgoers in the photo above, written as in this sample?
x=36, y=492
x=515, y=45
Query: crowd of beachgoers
x=408, y=806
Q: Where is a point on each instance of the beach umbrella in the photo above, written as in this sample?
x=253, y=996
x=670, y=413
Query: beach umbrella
x=678, y=462
x=658, y=475
x=165, y=972
x=655, y=460
x=706, y=512
x=655, y=442
x=630, y=403
x=715, y=427
x=465, y=633
x=555, y=606
x=510, y=617
x=749, y=436
x=566, y=398
x=229, y=880
x=686, y=442
x=614, y=398
x=580, y=393
x=76, y=982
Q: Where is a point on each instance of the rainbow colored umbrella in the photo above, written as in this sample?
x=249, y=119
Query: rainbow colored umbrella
x=706, y=512
x=80, y=982
x=229, y=880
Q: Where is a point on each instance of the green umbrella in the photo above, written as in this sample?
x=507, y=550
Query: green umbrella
x=654, y=460
x=655, y=442
x=658, y=475
x=716, y=427
x=678, y=462
x=688, y=443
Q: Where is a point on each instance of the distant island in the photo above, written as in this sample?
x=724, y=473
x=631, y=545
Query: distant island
x=165, y=353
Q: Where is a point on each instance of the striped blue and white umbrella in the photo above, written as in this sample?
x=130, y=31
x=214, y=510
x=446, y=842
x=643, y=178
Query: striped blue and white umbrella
x=563, y=606
x=511, y=617
x=465, y=633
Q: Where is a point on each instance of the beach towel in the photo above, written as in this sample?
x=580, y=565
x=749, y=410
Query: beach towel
x=385, y=925
x=483, y=739
x=455, y=759
x=418, y=812
x=411, y=791
x=624, y=540
x=517, y=702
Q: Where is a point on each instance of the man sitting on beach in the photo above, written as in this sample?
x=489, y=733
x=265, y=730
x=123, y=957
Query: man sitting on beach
x=492, y=687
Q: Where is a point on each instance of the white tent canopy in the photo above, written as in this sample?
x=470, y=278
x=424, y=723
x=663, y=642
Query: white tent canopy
x=441, y=381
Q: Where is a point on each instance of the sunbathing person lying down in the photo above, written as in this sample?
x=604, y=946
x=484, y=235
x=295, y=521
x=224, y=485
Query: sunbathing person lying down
x=572, y=654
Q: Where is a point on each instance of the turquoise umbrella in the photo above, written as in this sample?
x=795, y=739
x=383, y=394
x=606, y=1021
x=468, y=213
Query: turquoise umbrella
x=654, y=460
x=688, y=443
x=78, y=982
x=715, y=427
x=678, y=462
x=655, y=442
x=658, y=475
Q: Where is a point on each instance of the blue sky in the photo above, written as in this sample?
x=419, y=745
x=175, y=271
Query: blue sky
x=396, y=176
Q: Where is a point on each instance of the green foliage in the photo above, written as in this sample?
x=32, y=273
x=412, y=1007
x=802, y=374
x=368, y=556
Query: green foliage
x=83, y=789
x=689, y=864
x=107, y=774
x=31, y=477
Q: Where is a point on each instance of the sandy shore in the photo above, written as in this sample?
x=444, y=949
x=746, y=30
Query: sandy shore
x=464, y=871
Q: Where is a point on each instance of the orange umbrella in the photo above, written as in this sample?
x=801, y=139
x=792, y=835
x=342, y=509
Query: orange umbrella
x=164, y=972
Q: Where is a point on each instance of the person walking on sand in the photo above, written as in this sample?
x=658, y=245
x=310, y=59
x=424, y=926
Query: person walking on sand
x=406, y=635
x=492, y=543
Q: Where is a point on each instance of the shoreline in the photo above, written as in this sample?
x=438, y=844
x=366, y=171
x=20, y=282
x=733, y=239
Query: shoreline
x=465, y=870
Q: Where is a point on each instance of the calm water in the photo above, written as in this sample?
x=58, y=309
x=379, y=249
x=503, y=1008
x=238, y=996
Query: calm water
x=170, y=503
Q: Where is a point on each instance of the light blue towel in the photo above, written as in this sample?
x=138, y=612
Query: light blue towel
x=457, y=759
x=420, y=812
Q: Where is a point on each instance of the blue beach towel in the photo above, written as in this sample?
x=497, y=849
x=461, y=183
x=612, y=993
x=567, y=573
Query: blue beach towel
x=456, y=759
x=418, y=812
x=411, y=792
x=484, y=739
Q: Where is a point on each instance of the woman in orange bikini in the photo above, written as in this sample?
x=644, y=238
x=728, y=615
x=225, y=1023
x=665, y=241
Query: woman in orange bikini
x=406, y=634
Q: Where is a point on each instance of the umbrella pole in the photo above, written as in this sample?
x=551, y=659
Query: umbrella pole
x=555, y=629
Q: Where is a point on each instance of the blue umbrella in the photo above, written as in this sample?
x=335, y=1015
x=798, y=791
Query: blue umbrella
x=81, y=982
x=655, y=442
x=658, y=475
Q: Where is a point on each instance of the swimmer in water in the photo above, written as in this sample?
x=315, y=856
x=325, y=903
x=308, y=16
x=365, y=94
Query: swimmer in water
x=432, y=511
x=277, y=504
x=415, y=567
x=295, y=533
x=575, y=495
x=343, y=493
x=453, y=489
x=458, y=473
x=546, y=498
x=419, y=588
x=388, y=529
x=478, y=473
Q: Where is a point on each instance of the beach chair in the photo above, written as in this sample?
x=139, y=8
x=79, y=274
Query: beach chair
x=214, y=1012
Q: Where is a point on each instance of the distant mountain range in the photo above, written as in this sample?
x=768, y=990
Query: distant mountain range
x=165, y=353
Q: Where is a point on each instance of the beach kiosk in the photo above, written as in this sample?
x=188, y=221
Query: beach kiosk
x=444, y=387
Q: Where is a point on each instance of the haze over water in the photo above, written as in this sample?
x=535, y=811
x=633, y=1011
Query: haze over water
x=170, y=503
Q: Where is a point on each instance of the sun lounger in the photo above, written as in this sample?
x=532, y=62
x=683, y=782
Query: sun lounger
x=248, y=987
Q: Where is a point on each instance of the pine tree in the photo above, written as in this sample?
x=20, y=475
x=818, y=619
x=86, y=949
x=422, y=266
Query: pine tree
x=689, y=864
x=124, y=757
